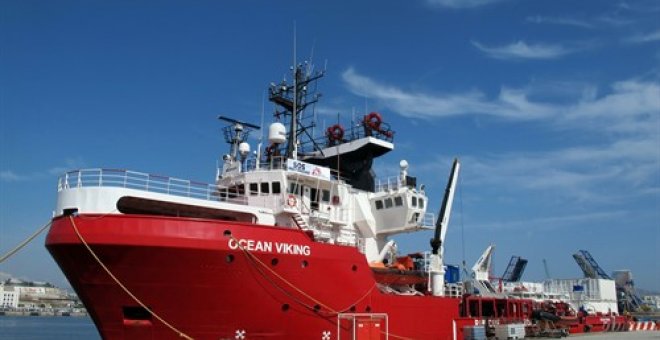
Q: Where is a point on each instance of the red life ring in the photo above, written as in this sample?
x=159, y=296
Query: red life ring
x=373, y=121
x=292, y=201
x=335, y=132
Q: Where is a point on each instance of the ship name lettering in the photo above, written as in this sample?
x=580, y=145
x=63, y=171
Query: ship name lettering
x=267, y=247
x=294, y=249
x=251, y=245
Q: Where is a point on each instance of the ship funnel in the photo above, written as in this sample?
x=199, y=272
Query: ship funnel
x=276, y=133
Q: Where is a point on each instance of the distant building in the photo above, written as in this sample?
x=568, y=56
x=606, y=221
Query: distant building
x=653, y=301
x=15, y=293
x=9, y=296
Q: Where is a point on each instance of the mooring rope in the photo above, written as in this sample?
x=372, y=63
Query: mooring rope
x=122, y=286
x=25, y=242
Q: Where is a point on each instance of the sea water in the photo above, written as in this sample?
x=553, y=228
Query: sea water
x=47, y=328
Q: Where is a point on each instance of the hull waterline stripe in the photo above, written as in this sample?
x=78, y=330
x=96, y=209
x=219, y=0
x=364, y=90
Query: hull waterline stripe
x=121, y=285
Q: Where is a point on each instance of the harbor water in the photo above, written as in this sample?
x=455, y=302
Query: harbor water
x=47, y=328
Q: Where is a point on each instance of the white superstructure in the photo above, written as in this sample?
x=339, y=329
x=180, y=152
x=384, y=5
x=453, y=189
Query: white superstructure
x=283, y=193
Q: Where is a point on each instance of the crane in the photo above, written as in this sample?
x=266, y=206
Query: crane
x=547, y=271
x=437, y=248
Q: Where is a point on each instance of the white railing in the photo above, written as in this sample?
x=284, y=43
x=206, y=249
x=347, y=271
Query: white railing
x=280, y=163
x=389, y=184
x=146, y=182
x=428, y=220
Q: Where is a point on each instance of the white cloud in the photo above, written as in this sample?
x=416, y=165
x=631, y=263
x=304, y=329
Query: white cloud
x=10, y=176
x=559, y=21
x=623, y=160
x=585, y=173
x=511, y=103
x=522, y=50
x=615, y=20
x=70, y=164
x=459, y=4
x=644, y=38
x=629, y=106
x=551, y=222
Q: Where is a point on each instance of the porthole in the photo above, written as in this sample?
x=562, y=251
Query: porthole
x=229, y=258
x=227, y=233
x=274, y=262
x=304, y=263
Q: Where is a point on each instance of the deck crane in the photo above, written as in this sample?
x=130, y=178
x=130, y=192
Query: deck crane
x=589, y=266
x=515, y=269
x=481, y=269
x=481, y=274
x=437, y=247
x=547, y=271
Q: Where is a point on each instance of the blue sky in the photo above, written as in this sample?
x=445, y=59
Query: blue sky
x=552, y=106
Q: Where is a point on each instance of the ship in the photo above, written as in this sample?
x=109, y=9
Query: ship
x=561, y=306
x=294, y=240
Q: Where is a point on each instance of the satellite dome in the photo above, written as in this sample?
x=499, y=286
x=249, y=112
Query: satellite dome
x=244, y=149
x=277, y=133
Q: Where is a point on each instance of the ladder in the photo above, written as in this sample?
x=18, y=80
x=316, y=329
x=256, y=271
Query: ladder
x=300, y=221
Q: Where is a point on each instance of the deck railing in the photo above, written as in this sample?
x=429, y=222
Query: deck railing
x=141, y=181
x=428, y=220
x=391, y=183
x=280, y=163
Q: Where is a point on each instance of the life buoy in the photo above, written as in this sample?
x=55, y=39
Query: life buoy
x=292, y=201
x=373, y=121
x=335, y=132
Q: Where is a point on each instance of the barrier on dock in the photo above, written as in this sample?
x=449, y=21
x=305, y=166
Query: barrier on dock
x=642, y=326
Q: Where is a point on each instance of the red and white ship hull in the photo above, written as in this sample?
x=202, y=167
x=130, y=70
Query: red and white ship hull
x=192, y=273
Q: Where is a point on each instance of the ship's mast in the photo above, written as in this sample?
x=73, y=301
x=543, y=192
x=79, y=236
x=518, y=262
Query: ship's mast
x=292, y=148
x=294, y=99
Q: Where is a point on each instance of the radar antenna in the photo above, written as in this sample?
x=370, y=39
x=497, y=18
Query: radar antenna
x=236, y=133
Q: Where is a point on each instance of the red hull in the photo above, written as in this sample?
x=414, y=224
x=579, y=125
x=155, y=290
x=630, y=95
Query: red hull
x=185, y=271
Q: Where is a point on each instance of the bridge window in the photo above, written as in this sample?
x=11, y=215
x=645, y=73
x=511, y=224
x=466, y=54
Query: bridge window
x=265, y=188
x=421, y=203
x=254, y=189
x=325, y=195
x=398, y=201
x=414, y=201
x=294, y=188
x=379, y=204
x=276, y=188
x=388, y=203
